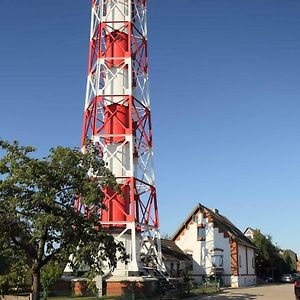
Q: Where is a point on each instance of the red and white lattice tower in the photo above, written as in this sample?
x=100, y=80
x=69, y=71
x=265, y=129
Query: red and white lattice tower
x=117, y=119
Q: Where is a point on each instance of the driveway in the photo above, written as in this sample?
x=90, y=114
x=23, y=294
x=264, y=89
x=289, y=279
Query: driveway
x=266, y=292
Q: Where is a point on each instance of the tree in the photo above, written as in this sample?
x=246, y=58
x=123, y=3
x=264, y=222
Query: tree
x=290, y=261
x=268, y=258
x=38, y=222
x=3, y=279
x=166, y=236
x=50, y=273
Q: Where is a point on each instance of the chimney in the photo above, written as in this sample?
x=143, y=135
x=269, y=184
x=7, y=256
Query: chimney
x=215, y=210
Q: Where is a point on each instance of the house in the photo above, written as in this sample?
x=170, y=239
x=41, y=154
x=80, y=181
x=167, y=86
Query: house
x=249, y=233
x=217, y=248
x=175, y=260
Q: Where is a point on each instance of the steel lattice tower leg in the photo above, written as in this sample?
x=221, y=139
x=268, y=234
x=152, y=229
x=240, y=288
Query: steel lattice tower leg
x=117, y=118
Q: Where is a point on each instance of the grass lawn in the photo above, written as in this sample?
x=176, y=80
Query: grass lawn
x=200, y=291
x=194, y=292
x=80, y=298
x=93, y=298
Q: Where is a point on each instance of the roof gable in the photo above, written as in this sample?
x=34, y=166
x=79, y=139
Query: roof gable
x=221, y=222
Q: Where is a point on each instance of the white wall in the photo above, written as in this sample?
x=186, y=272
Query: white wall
x=189, y=244
x=242, y=260
x=251, y=261
x=223, y=243
x=246, y=269
x=202, y=252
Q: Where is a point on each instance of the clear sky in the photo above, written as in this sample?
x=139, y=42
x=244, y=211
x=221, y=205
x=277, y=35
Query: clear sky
x=224, y=86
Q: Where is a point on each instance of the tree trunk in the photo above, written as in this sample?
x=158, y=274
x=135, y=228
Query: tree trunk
x=36, y=285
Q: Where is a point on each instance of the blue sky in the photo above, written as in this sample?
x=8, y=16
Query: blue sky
x=224, y=86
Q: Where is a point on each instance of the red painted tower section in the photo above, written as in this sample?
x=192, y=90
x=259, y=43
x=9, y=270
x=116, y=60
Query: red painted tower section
x=117, y=118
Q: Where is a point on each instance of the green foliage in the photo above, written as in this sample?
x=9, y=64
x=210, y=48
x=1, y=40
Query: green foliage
x=269, y=259
x=266, y=251
x=187, y=281
x=290, y=261
x=166, y=236
x=38, y=222
x=50, y=273
x=13, y=273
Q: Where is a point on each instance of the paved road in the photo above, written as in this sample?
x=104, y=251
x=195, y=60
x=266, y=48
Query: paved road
x=266, y=292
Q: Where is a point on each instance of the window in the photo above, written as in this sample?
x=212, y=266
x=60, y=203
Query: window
x=201, y=233
x=240, y=261
x=217, y=261
x=253, y=262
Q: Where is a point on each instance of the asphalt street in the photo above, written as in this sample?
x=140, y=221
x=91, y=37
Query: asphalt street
x=266, y=292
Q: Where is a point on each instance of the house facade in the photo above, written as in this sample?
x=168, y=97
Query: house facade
x=175, y=260
x=217, y=247
x=249, y=233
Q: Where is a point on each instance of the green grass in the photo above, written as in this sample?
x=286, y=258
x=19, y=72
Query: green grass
x=211, y=289
x=93, y=298
x=200, y=291
x=207, y=290
x=81, y=298
x=70, y=297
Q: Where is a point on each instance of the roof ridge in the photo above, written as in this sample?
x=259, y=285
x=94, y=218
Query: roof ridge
x=232, y=229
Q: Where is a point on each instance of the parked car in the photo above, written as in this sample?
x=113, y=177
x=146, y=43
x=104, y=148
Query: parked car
x=297, y=288
x=268, y=279
x=287, y=278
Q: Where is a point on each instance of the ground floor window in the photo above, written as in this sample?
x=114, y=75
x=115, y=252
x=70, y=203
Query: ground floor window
x=217, y=261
